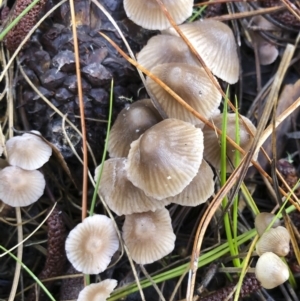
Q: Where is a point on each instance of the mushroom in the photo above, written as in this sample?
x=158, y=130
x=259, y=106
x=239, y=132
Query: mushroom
x=199, y=190
x=149, y=236
x=98, y=291
x=263, y=220
x=192, y=84
x=271, y=271
x=215, y=43
x=19, y=187
x=148, y=14
x=163, y=49
x=91, y=244
x=28, y=151
x=120, y=194
x=267, y=52
x=212, y=149
x=130, y=124
x=276, y=240
x=165, y=159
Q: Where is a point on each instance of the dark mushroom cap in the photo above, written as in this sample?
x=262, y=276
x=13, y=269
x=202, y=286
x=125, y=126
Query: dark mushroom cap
x=165, y=159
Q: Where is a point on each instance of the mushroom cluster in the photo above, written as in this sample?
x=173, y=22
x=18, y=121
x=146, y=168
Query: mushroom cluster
x=155, y=162
x=21, y=184
x=162, y=163
x=270, y=270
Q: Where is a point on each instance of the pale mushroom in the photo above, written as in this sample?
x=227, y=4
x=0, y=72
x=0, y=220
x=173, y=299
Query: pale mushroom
x=199, y=190
x=148, y=14
x=19, y=187
x=149, y=236
x=98, y=291
x=130, y=124
x=165, y=159
x=192, y=84
x=120, y=194
x=91, y=244
x=212, y=140
x=28, y=151
x=163, y=49
x=215, y=43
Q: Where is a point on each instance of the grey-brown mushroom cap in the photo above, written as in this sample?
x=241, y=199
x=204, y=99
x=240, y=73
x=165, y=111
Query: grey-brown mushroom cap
x=163, y=49
x=130, y=124
x=28, y=151
x=165, y=159
x=149, y=236
x=91, y=244
x=98, y=291
x=212, y=149
x=148, y=14
x=192, y=84
x=120, y=194
x=19, y=187
x=267, y=52
x=199, y=190
x=215, y=43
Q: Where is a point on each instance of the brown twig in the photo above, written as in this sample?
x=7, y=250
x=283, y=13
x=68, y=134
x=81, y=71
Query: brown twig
x=82, y=115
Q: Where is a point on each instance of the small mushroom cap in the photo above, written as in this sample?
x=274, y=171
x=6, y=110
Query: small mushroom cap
x=148, y=14
x=98, y=291
x=165, y=159
x=216, y=45
x=276, y=240
x=91, y=244
x=28, y=151
x=271, y=271
x=149, y=236
x=199, y=190
x=130, y=124
x=267, y=52
x=120, y=194
x=163, y=49
x=19, y=187
x=212, y=149
x=262, y=221
x=192, y=84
